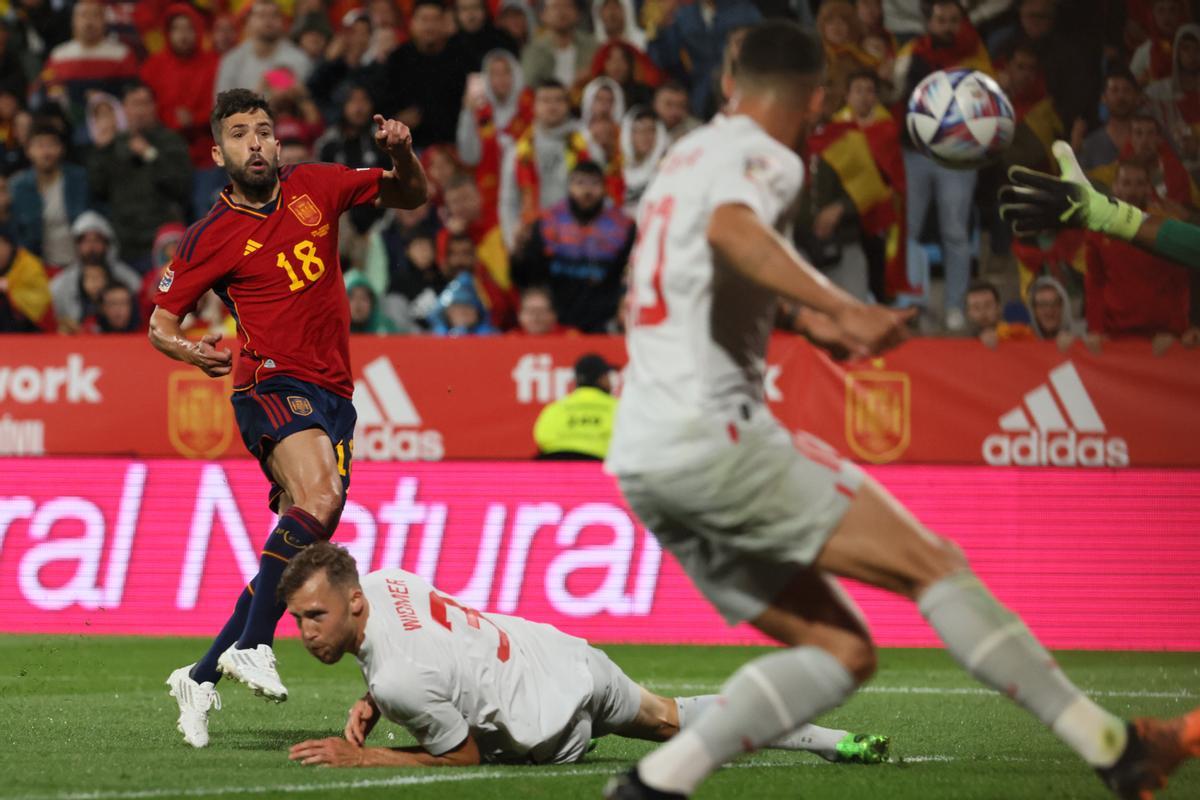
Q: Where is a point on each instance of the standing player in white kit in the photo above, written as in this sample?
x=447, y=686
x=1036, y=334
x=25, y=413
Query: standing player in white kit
x=761, y=520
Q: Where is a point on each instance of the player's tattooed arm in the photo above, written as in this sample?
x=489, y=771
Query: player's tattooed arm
x=167, y=337
x=404, y=185
x=337, y=752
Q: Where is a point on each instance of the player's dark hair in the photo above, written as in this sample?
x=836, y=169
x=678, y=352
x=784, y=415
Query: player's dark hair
x=335, y=561
x=778, y=49
x=984, y=286
x=236, y=101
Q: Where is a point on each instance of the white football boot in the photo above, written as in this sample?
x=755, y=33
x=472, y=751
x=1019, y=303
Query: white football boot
x=256, y=669
x=195, y=700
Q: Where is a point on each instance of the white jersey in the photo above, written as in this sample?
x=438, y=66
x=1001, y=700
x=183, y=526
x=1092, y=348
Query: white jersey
x=698, y=333
x=441, y=670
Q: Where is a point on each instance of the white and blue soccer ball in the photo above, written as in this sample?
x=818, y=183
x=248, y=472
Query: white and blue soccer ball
x=960, y=118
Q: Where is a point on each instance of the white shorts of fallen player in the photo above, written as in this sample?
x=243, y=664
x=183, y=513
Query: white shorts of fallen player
x=743, y=521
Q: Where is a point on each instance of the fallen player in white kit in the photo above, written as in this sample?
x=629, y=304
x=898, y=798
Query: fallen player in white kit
x=473, y=688
x=762, y=518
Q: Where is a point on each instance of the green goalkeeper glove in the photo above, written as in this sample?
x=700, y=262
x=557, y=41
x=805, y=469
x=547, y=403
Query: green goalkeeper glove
x=1035, y=202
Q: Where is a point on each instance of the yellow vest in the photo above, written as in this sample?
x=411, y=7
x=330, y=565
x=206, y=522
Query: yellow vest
x=581, y=422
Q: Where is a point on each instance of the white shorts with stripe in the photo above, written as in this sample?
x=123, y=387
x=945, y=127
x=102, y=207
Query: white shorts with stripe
x=743, y=521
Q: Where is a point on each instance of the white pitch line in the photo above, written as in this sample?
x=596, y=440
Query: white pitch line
x=935, y=690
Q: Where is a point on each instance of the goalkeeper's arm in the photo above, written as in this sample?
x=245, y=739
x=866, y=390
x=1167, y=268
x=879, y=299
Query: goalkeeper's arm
x=1035, y=202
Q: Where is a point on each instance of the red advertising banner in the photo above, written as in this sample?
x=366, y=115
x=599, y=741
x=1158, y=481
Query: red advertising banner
x=933, y=401
x=1091, y=559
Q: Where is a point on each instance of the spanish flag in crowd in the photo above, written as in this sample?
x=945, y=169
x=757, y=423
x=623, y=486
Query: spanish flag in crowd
x=487, y=171
x=870, y=167
x=967, y=51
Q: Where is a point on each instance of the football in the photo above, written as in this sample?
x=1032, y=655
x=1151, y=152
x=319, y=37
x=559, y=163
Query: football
x=960, y=118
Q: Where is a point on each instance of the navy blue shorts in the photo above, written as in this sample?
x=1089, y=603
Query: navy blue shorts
x=280, y=406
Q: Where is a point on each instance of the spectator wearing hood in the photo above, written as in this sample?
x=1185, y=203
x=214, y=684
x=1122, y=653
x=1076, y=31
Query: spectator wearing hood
x=637, y=76
x=515, y=17
x=603, y=110
x=561, y=51
x=477, y=35
x=697, y=33
x=457, y=254
x=579, y=248
x=1050, y=312
x=534, y=173
x=182, y=76
x=425, y=77
x=265, y=47
x=166, y=242
x=497, y=111
x=25, y=303
x=460, y=312
x=91, y=60
x=1152, y=60
x=48, y=197
x=1176, y=99
x=142, y=175
x=366, y=315
x=76, y=290
x=644, y=140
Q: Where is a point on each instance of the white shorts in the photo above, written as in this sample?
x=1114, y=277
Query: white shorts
x=743, y=521
x=614, y=703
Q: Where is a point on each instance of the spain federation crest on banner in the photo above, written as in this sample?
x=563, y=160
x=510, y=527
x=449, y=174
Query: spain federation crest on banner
x=199, y=416
x=878, y=413
x=306, y=211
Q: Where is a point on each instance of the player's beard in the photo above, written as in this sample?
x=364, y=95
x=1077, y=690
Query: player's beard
x=254, y=185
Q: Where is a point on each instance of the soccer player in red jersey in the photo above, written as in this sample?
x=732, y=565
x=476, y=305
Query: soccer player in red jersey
x=268, y=248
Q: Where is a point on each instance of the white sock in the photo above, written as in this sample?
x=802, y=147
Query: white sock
x=1078, y=727
x=808, y=738
x=767, y=698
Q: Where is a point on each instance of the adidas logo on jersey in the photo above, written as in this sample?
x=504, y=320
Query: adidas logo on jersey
x=251, y=246
x=389, y=425
x=1078, y=439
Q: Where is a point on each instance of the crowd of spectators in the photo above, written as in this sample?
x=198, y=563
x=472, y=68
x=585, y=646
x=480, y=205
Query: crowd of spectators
x=540, y=124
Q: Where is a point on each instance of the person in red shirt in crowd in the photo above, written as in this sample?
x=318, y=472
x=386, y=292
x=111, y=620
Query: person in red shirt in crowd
x=166, y=242
x=182, y=76
x=89, y=61
x=497, y=111
x=537, y=317
x=1130, y=292
x=1151, y=61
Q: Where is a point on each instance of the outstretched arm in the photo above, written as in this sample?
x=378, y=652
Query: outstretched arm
x=167, y=337
x=1035, y=203
x=403, y=186
x=741, y=240
x=337, y=752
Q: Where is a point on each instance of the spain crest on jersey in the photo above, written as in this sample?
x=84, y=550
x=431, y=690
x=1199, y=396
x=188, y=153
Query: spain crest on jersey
x=308, y=212
x=199, y=417
x=878, y=413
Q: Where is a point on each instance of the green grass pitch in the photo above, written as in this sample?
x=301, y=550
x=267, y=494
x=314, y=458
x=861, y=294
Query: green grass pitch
x=85, y=718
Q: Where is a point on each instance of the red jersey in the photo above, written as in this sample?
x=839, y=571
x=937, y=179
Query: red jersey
x=277, y=270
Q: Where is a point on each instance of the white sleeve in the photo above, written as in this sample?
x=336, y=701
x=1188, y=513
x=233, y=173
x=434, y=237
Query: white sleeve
x=420, y=703
x=760, y=177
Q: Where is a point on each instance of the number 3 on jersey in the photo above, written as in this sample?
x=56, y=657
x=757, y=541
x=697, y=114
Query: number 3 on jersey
x=439, y=610
x=312, y=266
x=655, y=311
